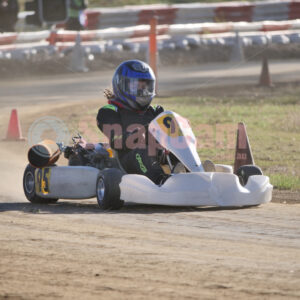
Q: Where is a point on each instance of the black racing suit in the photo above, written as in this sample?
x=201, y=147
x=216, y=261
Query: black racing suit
x=125, y=130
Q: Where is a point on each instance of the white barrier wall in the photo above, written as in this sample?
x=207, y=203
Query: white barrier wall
x=272, y=10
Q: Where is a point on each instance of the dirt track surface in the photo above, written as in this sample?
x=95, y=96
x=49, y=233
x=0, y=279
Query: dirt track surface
x=172, y=81
x=73, y=250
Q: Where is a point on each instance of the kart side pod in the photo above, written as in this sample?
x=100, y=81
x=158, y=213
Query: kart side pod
x=66, y=182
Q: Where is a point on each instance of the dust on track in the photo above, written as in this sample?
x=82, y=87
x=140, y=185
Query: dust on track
x=72, y=249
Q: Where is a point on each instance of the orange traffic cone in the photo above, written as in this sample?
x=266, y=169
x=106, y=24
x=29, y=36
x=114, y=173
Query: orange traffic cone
x=265, y=78
x=14, y=129
x=243, y=153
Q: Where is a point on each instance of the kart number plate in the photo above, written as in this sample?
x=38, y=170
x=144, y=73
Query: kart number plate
x=42, y=180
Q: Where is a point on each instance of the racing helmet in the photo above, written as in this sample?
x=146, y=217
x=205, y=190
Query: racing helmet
x=134, y=84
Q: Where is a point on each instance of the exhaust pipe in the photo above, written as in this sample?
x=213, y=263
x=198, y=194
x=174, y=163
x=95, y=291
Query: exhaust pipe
x=43, y=154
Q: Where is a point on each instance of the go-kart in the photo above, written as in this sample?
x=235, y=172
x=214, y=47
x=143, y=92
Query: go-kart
x=95, y=171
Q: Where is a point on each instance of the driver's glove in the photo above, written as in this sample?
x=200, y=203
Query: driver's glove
x=158, y=109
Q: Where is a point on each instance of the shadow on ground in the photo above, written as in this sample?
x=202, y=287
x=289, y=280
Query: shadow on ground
x=68, y=207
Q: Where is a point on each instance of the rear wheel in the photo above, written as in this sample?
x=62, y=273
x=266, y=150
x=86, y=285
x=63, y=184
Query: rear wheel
x=29, y=187
x=108, y=189
x=244, y=172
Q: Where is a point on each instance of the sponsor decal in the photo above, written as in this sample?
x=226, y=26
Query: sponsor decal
x=141, y=164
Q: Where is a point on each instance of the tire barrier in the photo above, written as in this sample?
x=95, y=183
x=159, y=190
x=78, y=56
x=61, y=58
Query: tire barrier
x=42, y=51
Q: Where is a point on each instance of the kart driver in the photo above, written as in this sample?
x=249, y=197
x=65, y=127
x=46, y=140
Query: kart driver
x=128, y=114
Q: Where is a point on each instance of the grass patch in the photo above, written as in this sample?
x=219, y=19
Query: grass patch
x=284, y=182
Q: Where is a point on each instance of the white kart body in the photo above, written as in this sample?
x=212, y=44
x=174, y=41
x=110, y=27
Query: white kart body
x=196, y=188
x=184, y=189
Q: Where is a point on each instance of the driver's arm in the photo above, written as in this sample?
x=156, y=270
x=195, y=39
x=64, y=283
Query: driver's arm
x=109, y=122
x=107, y=119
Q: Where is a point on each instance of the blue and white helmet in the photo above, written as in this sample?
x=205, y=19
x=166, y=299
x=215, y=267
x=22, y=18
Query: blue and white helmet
x=134, y=84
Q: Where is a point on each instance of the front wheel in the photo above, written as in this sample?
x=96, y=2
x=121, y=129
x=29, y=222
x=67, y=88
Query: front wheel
x=244, y=172
x=29, y=187
x=108, y=189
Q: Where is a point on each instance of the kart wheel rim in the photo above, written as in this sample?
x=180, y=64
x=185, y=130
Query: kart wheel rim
x=29, y=183
x=100, y=190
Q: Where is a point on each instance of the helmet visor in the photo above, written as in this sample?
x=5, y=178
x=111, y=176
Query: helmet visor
x=138, y=87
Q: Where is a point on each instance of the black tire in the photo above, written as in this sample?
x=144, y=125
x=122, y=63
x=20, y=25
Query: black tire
x=108, y=189
x=244, y=172
x=29, y=187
